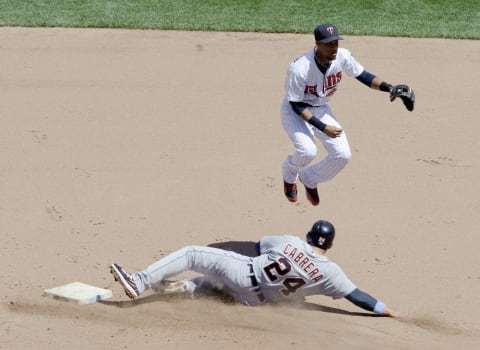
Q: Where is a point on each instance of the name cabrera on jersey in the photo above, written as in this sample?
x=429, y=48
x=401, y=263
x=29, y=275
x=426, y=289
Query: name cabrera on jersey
x=306, y=83
x=290, y=269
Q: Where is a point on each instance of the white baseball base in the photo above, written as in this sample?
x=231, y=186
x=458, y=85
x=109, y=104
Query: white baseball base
x=79, y=293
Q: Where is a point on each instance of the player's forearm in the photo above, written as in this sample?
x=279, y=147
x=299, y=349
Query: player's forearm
x=379, y=84
x=369, y=303
x=302, y=110
x=373, y=81
x=308, y=116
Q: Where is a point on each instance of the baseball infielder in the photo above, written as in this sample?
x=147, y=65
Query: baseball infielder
x=311, y=81
x=287, y=268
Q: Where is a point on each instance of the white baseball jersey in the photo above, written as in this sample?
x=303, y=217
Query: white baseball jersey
x=289, y=269
x=306, y=83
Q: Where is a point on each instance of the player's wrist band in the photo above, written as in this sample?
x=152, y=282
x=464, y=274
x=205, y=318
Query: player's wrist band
x=385, y=87
x=317, y=123
x=379, y=307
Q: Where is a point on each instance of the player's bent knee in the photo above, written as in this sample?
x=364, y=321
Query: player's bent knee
x=340, y=161
x=344, y=156
x=305, y=156
x=304, y=160
x=347, y=156
x=309, y=153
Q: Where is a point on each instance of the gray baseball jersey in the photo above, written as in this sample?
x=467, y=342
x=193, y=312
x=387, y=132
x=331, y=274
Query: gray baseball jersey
x=289, y=269
x=286, y=269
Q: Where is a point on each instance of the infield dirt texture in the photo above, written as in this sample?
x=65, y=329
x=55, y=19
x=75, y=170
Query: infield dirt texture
x=124, y=145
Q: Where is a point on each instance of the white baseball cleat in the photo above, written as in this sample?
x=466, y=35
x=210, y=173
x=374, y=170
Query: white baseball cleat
x=177, y=287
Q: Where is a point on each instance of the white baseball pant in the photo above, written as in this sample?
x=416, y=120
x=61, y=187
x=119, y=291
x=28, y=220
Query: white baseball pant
x=302, y=134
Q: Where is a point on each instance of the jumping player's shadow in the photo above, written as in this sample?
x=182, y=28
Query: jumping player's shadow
x=247, y=248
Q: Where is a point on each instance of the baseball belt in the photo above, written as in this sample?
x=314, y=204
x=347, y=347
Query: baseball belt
x=255, y=285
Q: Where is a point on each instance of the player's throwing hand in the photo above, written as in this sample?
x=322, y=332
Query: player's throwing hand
x=332, y=131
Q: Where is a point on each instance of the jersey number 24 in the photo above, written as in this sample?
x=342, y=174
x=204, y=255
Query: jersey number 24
x=280, y=268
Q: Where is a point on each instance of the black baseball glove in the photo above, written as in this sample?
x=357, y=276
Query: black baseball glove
x=406, y=93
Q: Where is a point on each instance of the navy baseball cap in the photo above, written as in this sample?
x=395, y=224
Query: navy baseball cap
x=326, y=33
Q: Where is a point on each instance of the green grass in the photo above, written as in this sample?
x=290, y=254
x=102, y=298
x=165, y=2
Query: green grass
x=411, y=18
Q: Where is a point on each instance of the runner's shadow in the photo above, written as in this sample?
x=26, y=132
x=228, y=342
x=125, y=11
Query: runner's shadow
x=334, y=310
x=220, y=297
x=247, y=248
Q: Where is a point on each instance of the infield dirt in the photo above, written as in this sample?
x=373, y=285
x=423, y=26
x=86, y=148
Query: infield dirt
x=125, y=145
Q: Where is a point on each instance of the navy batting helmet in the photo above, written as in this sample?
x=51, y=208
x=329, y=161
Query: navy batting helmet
x=321, y=235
